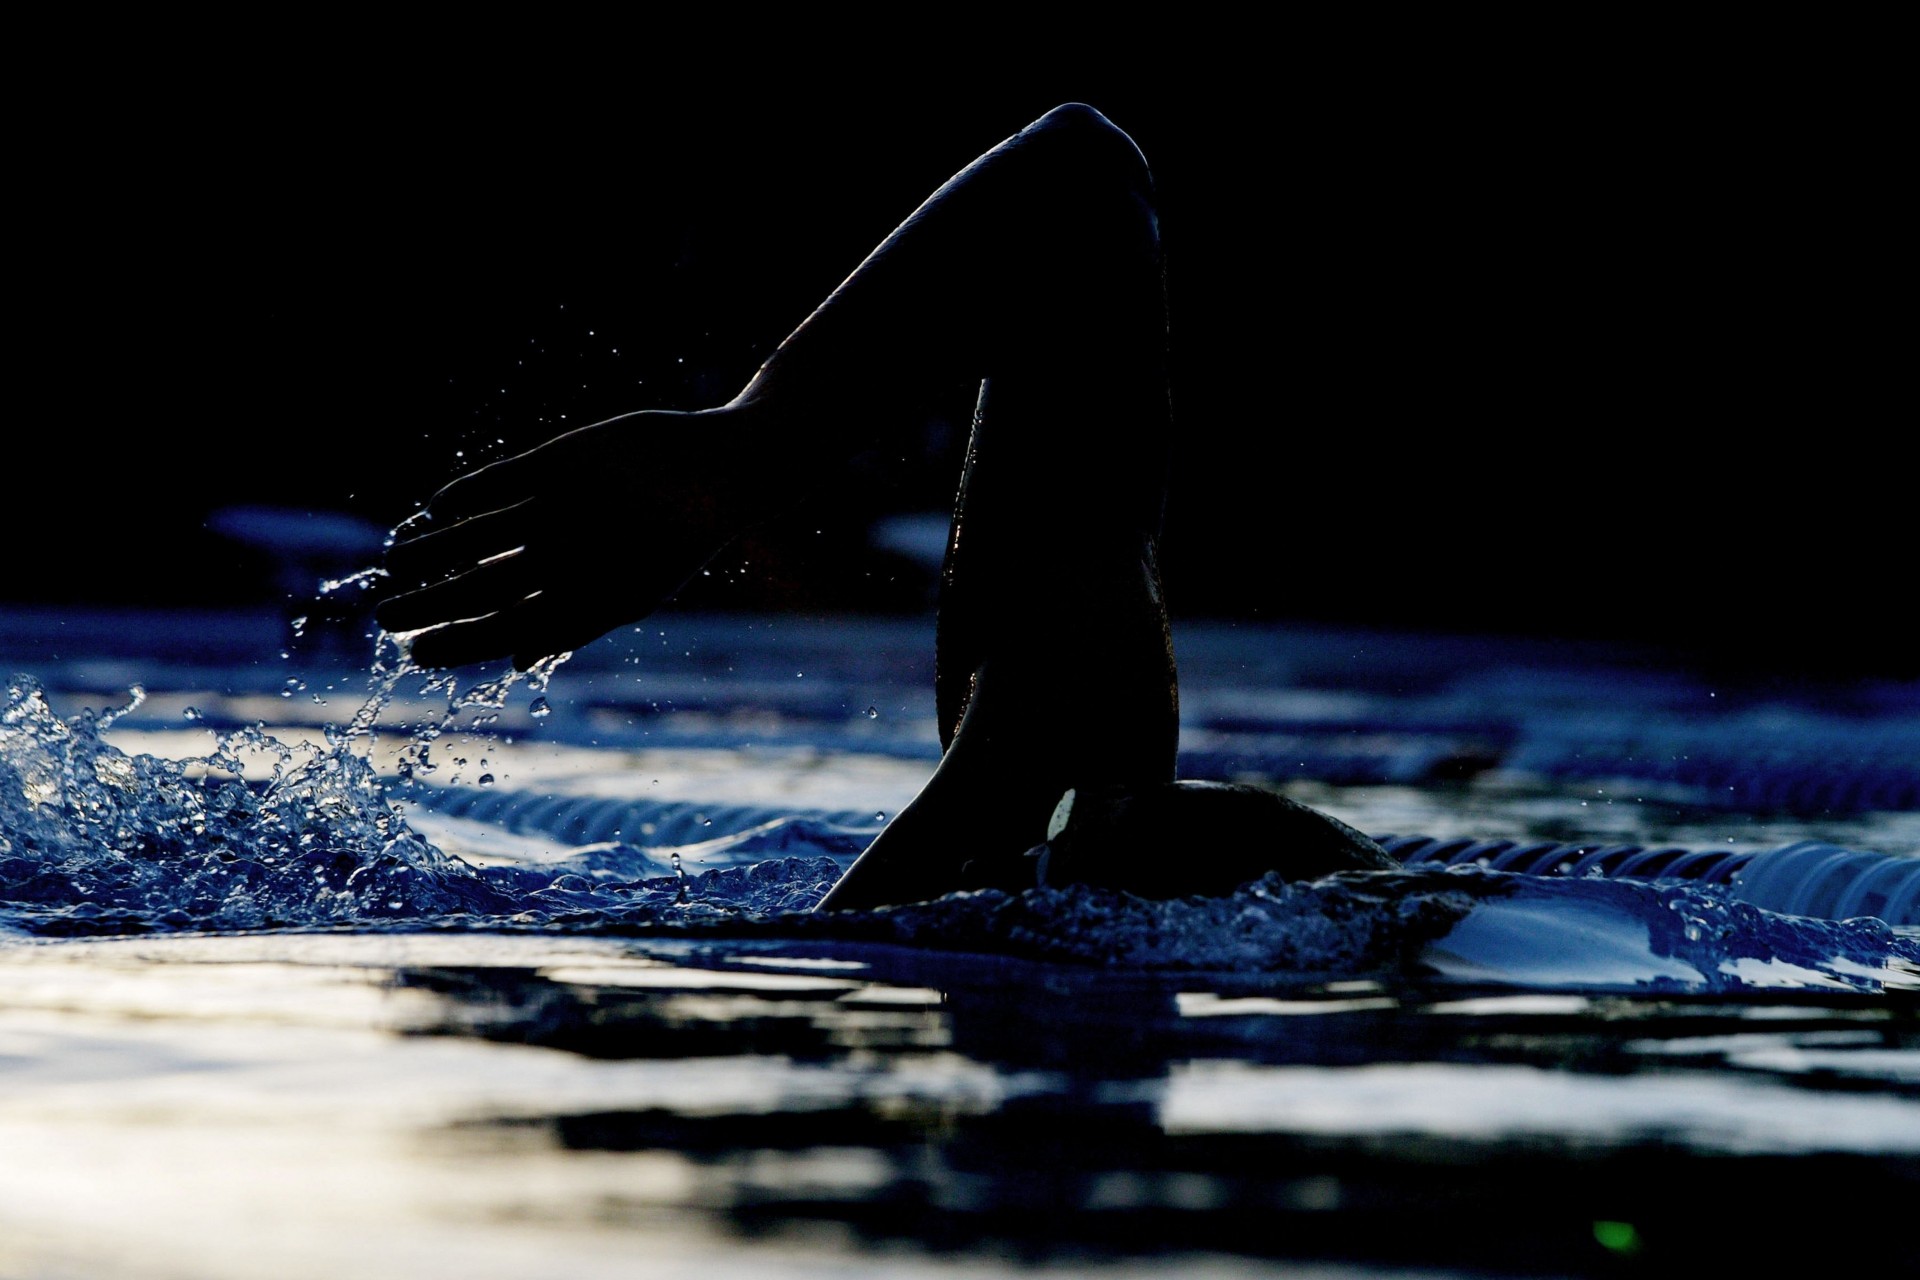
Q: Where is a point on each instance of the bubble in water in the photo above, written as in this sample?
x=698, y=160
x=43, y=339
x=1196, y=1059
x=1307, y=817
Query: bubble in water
x=873, y=713
x=299, y=624
x=539, y=708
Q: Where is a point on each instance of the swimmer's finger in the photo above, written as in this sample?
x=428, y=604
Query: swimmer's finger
x=496, y=485
x=534, y=628
x=487, y=588
x=459, y=644
x=459, y=545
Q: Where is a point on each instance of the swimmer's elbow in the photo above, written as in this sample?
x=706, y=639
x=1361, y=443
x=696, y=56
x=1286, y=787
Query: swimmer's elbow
x=1091, y=135
x=1074, y=115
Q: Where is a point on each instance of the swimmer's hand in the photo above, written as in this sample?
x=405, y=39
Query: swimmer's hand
x=545, y=552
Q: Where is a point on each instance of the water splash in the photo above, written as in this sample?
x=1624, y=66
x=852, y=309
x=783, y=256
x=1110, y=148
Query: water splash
x=365, y=579
x=260, y=833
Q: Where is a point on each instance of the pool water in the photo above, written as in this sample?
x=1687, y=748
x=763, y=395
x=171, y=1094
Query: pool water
x=531, y=988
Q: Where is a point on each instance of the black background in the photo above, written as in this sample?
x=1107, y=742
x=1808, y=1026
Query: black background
x=1563, y=332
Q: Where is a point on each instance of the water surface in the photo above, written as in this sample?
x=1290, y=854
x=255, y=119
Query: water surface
x=397, y=1023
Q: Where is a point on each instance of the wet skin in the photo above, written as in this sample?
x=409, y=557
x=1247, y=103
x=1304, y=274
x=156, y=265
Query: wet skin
x=1036, y=273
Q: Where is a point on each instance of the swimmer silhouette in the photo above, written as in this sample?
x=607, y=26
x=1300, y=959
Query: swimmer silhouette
x=1034, y=272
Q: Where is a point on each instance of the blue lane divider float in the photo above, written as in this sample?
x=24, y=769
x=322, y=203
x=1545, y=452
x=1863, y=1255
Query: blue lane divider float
x=579, y=820
x=1553, y=858
x=1806, y=878
x=1813, y=879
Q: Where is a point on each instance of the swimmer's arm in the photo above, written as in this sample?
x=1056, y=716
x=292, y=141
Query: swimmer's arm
x=970, y=276
x=547, y=551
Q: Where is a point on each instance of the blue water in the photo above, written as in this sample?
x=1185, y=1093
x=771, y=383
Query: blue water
x=583, y=879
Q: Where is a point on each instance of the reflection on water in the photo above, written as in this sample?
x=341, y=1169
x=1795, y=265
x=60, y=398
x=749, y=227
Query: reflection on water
x=483, y=1105
x=520, y=1045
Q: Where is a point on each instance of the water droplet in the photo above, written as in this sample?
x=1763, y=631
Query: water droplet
x=194, y=713
x=539, y=708
x=486, y=779
x=880, y=816
x=299, y=624
x=873, y=713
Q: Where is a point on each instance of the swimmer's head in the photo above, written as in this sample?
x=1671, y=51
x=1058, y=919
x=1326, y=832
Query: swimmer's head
x=1181, y=838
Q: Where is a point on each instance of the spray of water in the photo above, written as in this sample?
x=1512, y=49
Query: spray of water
x=262, y=833
x=256, y=833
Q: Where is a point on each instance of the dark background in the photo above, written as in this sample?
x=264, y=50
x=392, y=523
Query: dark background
x=1588, y=338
